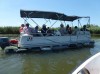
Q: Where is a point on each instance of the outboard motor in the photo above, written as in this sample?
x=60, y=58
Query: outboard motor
x=4, y=41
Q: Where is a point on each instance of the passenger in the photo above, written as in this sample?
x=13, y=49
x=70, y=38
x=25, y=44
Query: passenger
x=67, y=27
x=49, y=32
x=36, y=31
x=62, y=29
x=75, y=30
x=21, y=29
x=69, y=30
x=84, y=28
x=28, y=30
x=44, y=29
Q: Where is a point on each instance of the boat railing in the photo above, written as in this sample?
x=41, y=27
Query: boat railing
x=83, y=33
x=78, y=33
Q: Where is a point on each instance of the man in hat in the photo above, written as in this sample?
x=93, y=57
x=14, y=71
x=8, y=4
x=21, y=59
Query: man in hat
x=44, y=29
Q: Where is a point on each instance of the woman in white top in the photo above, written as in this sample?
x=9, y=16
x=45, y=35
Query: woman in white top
x=28, y=30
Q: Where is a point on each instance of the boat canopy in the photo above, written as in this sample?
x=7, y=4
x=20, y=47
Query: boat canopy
x=47, y=15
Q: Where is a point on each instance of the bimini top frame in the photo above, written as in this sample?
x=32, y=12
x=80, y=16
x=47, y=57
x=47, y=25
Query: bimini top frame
x=48, y=15
x=25, y=14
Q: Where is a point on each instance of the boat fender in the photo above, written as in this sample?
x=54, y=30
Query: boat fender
x=13, y=41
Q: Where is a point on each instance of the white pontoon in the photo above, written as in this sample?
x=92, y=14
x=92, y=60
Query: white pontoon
x=80, y=39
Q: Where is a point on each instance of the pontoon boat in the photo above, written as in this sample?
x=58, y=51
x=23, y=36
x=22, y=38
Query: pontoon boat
x=54, y=41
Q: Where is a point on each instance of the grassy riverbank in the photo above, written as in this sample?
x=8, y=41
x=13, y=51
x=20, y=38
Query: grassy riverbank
x=9, y=35
x=94, y=29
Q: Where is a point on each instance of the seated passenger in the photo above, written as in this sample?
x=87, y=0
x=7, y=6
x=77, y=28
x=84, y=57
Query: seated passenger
x=36, y=33
x=49, y=32
x=21, y=29
x=28, y=30
x=62, y=29
x=84, y=28
x=36, y=29
x=67, y=27
x=75, y=30
x=69, y=30
x=44, y=29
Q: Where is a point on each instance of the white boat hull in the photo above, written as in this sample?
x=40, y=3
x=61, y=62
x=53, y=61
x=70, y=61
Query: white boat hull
x=90, y=66
x=29, y=41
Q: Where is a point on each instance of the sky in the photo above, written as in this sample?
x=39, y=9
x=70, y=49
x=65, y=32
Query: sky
x=10, y=9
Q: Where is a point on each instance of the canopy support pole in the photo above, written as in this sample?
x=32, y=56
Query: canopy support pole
x=46, y=21
x=65, y=23
x=56, y=20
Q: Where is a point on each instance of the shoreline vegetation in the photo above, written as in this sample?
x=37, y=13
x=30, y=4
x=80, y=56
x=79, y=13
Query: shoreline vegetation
x=94, y=29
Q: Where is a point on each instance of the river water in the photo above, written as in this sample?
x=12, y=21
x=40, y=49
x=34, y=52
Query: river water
x=49, y=62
